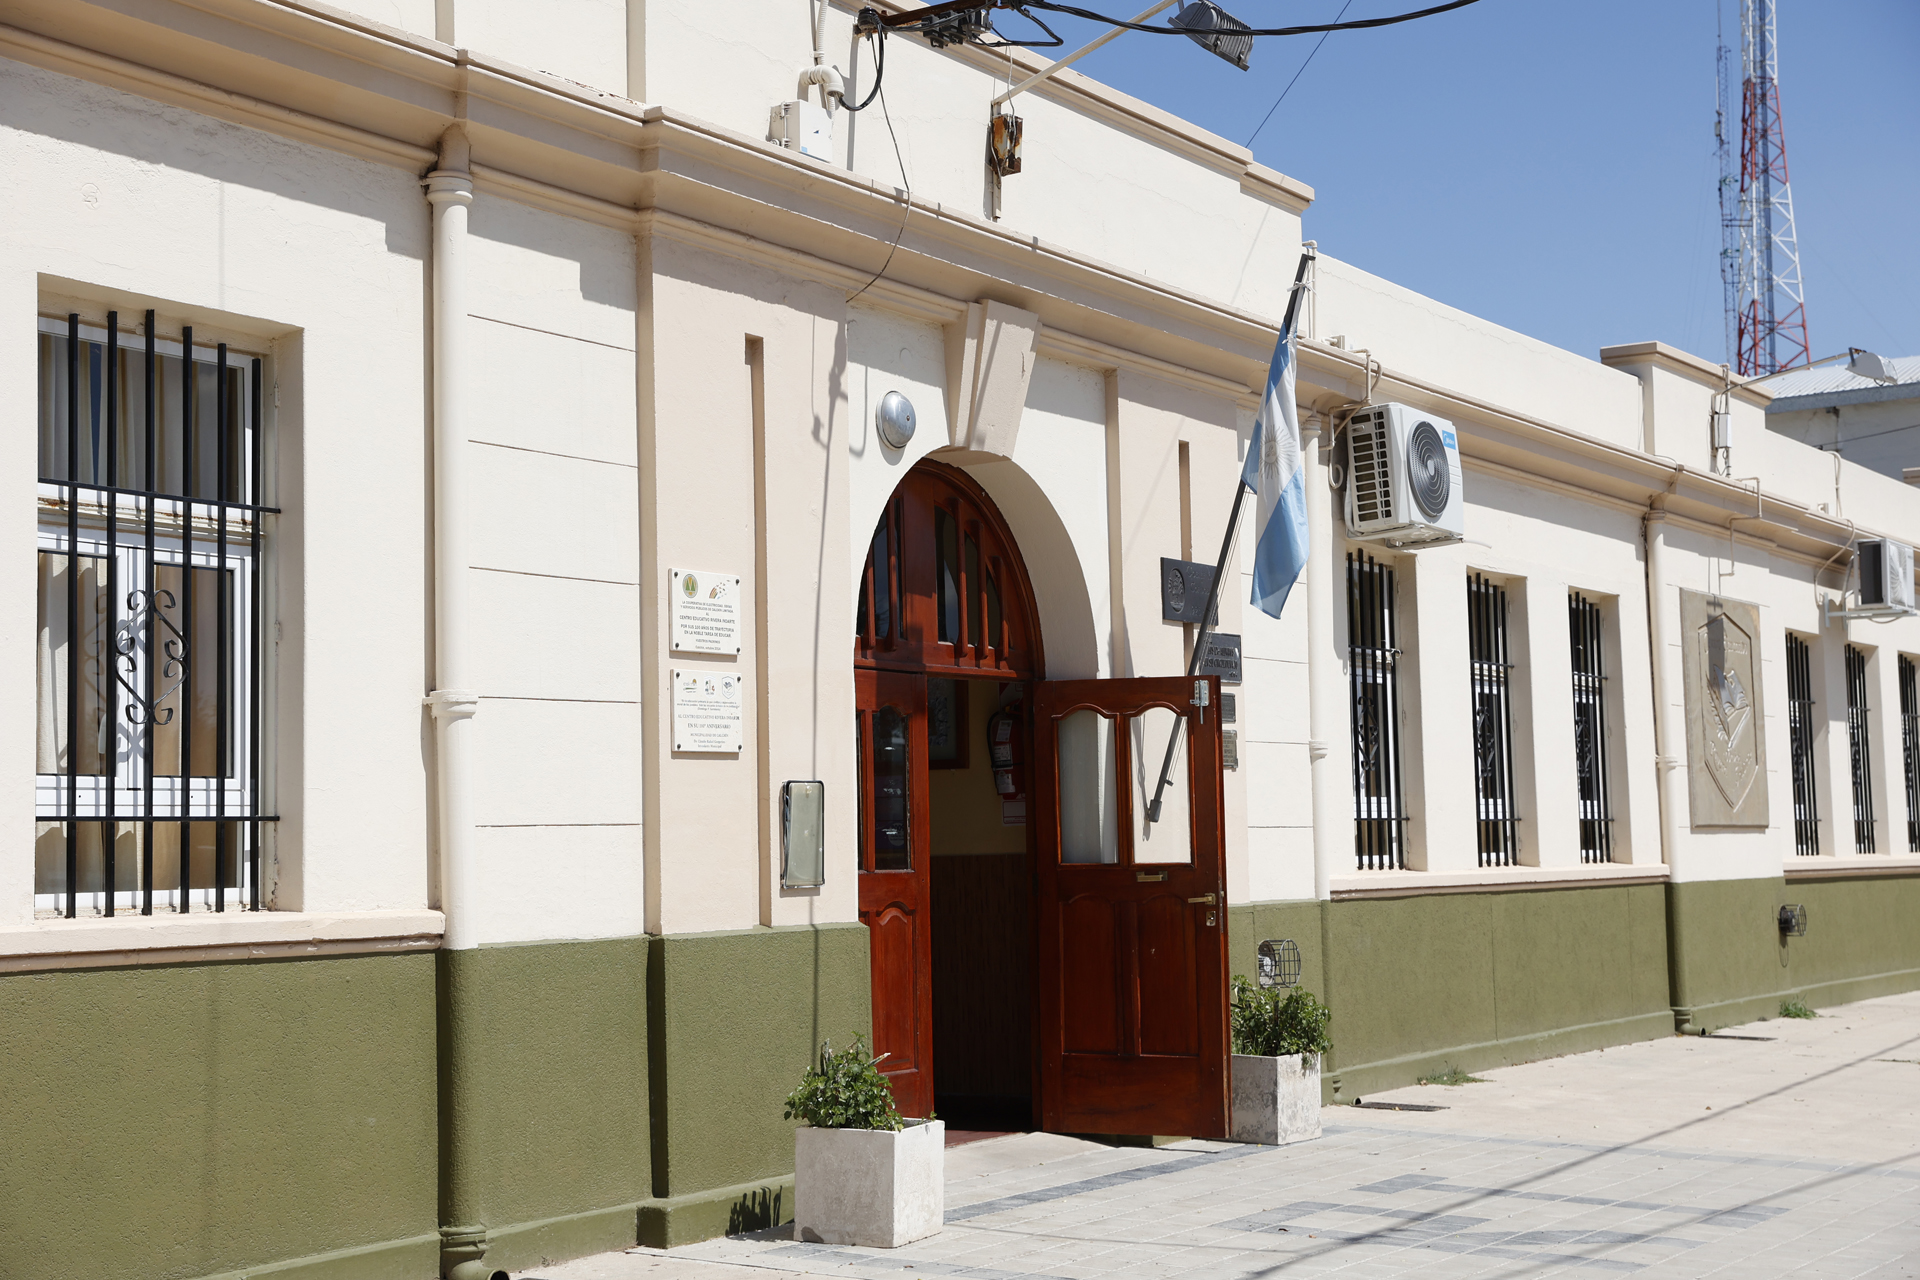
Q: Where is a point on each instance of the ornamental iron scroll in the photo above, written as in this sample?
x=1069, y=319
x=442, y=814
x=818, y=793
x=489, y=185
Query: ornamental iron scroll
x=142, y=617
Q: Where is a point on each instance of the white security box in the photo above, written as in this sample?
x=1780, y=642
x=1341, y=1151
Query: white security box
x=1886, y=575
x=802, y=126
x=1404, y=485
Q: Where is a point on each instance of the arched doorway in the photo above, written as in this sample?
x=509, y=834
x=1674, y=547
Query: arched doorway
x=1042, y=953
x=946, y=648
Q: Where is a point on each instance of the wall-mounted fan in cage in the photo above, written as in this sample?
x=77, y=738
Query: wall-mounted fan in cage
x=1279, y=962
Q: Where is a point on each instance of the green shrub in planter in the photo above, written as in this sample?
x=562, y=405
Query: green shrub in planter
x=1274, y=1023
x=845, y=1091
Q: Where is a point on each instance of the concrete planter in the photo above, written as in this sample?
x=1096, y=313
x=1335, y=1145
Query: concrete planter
x=1276, y=1100
x=869, y=1186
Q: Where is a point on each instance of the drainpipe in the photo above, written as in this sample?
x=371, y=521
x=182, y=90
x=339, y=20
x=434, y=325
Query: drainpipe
x=450, y=193
x=453, y=701
x=1326, y=702
x=1669, y=741
x=1326, y=709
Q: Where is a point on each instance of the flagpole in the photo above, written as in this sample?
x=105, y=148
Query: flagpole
x=1220, y=569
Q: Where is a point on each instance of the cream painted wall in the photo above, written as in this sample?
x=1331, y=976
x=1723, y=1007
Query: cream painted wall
x=555, y=577
x=1442, y=345
x=711, y=861
x=1175, y=213
x=416, y=16
x=579, y=40
x=96, y=177
x=887, y=352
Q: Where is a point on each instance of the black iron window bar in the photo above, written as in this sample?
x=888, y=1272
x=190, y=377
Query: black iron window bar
x=1373, y=663
x=1859, y=750
x=1910, y=747
x=1806, y=810
x=151, y=534
x=1496, y=824
x=1590, y=729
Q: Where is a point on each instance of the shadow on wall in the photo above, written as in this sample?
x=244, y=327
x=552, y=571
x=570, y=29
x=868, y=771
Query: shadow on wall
x=757, y=1210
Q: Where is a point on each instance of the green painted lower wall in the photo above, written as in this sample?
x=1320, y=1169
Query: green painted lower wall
x=734, y=1018
x=543, y=1096
x=1471, y=980
x=1731, y=964
x=185, y=1121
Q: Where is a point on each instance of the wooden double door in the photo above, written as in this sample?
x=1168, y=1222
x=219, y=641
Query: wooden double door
x=1129, y=935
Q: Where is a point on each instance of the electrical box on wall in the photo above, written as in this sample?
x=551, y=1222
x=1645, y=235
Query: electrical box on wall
x=802, y=126
x=1404, y=484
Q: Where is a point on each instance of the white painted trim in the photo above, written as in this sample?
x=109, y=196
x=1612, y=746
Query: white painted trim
x=207, y=936
x=1849, y=866
x=1403, y=884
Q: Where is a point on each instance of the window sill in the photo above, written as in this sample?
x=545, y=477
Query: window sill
x=199, y=937
x=1852, y=866
x=1408, y=884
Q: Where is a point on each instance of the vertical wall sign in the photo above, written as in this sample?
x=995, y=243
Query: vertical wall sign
x=706, y=710
x=1726, y=729
x=703, y=611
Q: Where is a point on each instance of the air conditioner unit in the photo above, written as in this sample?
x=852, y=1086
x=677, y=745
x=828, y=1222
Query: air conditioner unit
x=1404, y=485
x=802, y=126
x=1886, y=575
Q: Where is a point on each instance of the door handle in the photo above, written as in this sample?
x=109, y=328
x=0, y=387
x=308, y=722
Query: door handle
x=1205, y=901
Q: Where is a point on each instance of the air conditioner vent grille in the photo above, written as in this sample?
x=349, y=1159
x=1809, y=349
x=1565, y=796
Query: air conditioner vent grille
x=1367, y=448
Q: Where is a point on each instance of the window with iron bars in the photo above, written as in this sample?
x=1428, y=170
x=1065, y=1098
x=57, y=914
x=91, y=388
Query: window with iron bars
x=149, y=657
x=1496, y=825
x=1859, y=750
x=1806, y=811
x=1373, y=662
x=1910, y=747
x=1590, y=729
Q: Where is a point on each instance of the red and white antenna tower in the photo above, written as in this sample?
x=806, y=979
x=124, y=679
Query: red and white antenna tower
x=1760, y=256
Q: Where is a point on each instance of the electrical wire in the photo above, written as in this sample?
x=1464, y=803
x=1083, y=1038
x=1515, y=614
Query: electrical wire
x=1357, y=25
x=1296, y=75
x=879, y=72
x=905, y=213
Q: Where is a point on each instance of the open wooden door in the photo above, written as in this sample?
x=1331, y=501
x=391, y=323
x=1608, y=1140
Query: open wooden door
x=891, y=722
x=1131, y=963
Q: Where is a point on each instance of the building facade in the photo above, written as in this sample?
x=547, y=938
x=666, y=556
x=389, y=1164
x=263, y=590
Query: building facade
x=469, y=515
x=1874, y=423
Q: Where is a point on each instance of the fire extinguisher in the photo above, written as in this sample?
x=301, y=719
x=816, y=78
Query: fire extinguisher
x=1006, y=744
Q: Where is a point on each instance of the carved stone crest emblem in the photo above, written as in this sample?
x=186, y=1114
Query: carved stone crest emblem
x=1727, y=663
x=1725, y=727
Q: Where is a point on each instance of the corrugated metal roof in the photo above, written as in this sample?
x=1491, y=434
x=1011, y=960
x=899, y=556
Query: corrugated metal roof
x=1834, y=377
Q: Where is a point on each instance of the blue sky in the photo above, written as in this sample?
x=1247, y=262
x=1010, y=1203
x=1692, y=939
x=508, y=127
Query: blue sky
x=1550, y=166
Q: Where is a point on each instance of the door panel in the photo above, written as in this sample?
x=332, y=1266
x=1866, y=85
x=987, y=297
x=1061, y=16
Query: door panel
x=1131, y=961
x=1091, y=973
x=894, y=878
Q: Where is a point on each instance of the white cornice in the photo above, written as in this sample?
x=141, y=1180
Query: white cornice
x=204, y=936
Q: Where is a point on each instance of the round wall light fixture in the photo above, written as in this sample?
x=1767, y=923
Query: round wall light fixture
x=895, y=420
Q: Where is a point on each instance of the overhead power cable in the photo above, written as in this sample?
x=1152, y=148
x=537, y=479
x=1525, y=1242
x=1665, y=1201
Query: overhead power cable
x=1358, y=24
x=1296, y=75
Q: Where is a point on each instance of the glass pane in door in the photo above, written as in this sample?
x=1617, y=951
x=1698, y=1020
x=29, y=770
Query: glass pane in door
x=892, y=837
x=1171, y=838
x=1089, y=789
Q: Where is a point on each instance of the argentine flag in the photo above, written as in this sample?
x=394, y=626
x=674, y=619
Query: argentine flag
x=1275, y=471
